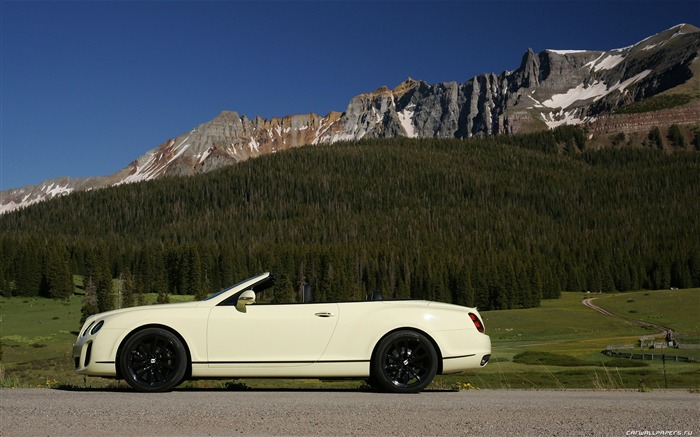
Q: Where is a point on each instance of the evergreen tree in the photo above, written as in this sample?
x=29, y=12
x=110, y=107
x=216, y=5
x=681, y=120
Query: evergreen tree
x=655, y=137
x=694, y=268
x=481, y=292
x=100, y=273
x=89, y=301
x=661, y=276
x=680, y=275
x=28, y=282
x=163, y=297
x=283, y=290
x=5, y=289
x=191, y=273
x=150, y=272
x=226, y=265
x=404, y=286
x=675, y=136
x=57, y=277
x=128, y=297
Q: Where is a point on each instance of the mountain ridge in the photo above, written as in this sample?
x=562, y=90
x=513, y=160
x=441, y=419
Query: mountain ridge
x=549, y=89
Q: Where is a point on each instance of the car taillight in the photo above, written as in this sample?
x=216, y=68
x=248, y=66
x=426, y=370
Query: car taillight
x=477, y=323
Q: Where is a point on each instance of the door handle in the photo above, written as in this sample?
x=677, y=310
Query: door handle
x=324, y=314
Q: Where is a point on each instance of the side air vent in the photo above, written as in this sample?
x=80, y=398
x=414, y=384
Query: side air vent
x=88, y=352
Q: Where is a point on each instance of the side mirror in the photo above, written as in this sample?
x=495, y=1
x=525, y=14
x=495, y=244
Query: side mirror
x=246, y=298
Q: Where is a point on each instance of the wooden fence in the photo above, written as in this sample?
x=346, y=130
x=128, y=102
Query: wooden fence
x=649, y=356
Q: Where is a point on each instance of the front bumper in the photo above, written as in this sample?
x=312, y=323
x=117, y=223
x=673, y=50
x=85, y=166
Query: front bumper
x=93, y=353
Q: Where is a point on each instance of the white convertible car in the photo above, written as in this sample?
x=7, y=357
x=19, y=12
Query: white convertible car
x=396, y=345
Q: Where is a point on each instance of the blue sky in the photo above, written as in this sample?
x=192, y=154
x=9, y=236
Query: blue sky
x=87, y=87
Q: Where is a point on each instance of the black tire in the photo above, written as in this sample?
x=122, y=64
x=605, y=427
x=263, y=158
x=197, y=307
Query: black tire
x=153, y=360
x=404, y=362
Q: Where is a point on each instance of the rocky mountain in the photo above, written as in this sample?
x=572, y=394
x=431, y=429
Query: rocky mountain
x=548, y=89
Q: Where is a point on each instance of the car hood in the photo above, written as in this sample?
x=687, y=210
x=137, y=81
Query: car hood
x=165, y=306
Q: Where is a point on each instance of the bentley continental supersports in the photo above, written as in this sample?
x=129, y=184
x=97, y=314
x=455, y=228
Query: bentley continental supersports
x=395, y=345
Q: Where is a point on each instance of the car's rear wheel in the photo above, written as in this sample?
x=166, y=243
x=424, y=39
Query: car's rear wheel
x=153, y=360
x=404, y=362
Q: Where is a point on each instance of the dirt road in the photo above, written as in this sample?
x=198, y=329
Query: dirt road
x=663, y=329
x=33, y=412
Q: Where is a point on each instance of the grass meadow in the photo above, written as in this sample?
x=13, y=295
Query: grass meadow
x=557, y=345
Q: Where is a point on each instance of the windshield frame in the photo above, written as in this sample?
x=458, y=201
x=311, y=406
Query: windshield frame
x=261, y=277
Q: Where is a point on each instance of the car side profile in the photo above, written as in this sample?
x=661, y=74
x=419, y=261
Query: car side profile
x=396, y=345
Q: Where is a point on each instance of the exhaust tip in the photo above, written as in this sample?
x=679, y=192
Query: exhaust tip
x=485, y=359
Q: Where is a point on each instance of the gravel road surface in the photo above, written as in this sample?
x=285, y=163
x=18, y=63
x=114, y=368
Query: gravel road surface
x=45, y=412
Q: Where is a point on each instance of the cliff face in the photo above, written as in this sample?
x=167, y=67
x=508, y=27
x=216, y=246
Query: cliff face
x=548, y=89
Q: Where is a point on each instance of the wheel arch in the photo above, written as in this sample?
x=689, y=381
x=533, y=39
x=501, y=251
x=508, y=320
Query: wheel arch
x=188, y=371
x=419, y=331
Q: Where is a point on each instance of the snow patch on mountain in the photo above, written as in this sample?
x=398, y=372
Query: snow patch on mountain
x=561, y=118
x=253, y=145
x=12, y=205
x=406, y=119
x=180, y=149
x=608, y=62
x=36, y=194
x=566, y=52
x=142, y=173
x=581, y=92
x=620, y=86
x=54, y=190
x=203, y=156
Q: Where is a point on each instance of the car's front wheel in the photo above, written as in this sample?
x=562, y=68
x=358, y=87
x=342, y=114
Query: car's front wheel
x=404, y=362
x=153, y=360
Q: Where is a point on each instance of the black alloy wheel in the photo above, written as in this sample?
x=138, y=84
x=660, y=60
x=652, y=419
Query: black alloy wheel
x=404, y=362
x=153, y=360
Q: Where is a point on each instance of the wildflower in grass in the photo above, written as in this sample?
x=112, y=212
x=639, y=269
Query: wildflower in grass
x=49, y=383
x=465, y=386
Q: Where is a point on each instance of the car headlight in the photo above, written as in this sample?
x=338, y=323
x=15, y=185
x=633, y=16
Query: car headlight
x=97, y=327
x=88, y=328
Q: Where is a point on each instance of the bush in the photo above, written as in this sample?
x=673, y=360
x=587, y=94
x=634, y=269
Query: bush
x=617, y=139
x=624, y=362
x=655, y=137
x=655, y=103
x=548, y=358
x=676, y=136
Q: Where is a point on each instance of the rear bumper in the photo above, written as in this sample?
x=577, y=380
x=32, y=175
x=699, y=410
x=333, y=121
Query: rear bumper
x=464, y=352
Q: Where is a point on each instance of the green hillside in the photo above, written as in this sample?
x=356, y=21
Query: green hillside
x=495, y=222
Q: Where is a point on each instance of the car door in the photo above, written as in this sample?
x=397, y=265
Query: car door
x=271, y=335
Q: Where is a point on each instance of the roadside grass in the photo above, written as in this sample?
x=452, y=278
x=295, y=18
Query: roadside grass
x=558, y=345
x=566, y=328
x=36, y=336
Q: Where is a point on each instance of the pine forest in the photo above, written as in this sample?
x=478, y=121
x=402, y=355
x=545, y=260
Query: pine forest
x=498, y=222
